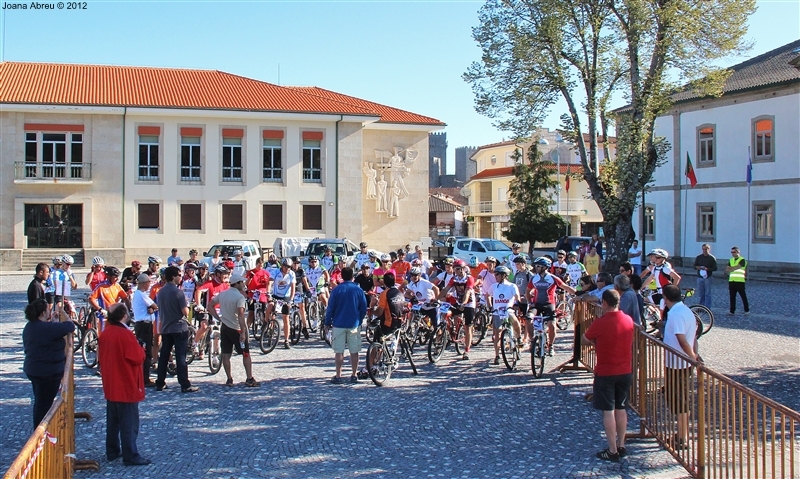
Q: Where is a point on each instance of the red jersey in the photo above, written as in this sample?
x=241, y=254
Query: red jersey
x=335, y=277
x=543, y=288
x=212, y=288
x=97, y=278
x=258, y=280
x=401, y=268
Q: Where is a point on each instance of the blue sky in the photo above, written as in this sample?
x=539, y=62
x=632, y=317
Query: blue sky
x=407, y=54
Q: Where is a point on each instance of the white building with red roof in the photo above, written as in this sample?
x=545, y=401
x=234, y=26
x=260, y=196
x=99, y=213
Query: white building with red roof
x=130, y=161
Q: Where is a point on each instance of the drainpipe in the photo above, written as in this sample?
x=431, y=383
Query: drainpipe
x=124, y=113
x=336, y=170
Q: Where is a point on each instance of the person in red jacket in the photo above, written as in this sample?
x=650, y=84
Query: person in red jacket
x=123, y=386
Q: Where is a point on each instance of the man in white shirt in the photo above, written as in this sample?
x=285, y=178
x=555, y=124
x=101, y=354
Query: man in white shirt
x=635, y=257
x=144, y=310
x=680, y=333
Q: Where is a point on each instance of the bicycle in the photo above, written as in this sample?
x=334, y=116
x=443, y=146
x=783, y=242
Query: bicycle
x=449, y=330
x=89, y=340
x=383, y=358
x=538, y=346
x=702, y=314
x=315, y=313
x=271, y=331
x=480, y=325
x=259, y=316
x=564, y=310
x=209, y=344
x=509, y=345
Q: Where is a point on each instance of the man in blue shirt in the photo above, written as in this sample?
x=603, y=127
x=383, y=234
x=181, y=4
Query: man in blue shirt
x=346, y=308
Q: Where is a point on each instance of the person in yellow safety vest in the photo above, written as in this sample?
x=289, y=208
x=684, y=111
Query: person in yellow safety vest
x=737, y=273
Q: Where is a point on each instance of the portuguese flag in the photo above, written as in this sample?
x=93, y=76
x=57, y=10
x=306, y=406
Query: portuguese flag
x=690, y=171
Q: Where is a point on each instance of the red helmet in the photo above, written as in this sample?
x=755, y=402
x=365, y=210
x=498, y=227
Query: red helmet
x=459, y=263
x=228, y=264
x=136, y=264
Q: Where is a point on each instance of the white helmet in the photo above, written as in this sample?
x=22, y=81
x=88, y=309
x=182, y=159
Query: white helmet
x=67, y=259
x=385, y=257
x=416, y=270
x=659, y=252
x=98, y=261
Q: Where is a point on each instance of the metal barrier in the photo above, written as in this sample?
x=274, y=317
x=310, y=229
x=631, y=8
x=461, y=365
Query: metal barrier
x=712, y=425
x=50, y=451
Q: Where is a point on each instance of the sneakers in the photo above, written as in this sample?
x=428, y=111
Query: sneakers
x=550, y=351
x=336, y=380
x=747, y=313
x=286, y=345
x=606, y=455
x=161, y=387
x=229, y=382
x=496, y=360
x=622, y=451
x=354, y=379
x=190, y=389
x=138, y=461
x=465, y=356
x=252, y=383
x=305, y=333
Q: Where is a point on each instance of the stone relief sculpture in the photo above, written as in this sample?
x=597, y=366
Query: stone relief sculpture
x=386, y=178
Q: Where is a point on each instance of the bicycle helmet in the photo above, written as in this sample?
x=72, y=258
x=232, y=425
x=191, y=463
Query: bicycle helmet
x=313, y=257
x=67, y=259
x=519, y=259
x=56, y=259
x=111, y=271
x=286, y=262
x=221, y=269
x=372, y=254
x=202, y=266
x=542, y=261
x=228, y=263
x=136, y=264
x=490, y=259
x=572, y=254
x=416, y=262
x=154, y=259
x=448, y=260
x=295, y=259
x=659, y=252
x=193, y=251
x=190, y=265
x=560, y=252
x=516, y=245
x=502, y=270
x=98, y=261
x=362, y=245
x=162, y=270
x=459, y=263
x=401, y=251
x=385, y=257
x=327, y=249
x=416, y=271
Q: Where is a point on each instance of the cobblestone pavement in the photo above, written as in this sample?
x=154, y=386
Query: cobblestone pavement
x=456, y=419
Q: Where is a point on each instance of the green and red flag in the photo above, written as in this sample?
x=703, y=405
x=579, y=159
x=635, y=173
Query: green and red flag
x=690, y=171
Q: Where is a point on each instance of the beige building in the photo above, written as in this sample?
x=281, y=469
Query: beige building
x=488, y=212
x=126, y=162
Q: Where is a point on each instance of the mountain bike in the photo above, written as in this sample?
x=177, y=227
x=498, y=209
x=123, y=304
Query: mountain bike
x=315, y=314
x=383, y=356
x=259, y=318
x=538, y=346
x=480, y=325
x=702, y=314
x=564, y=310
x=449, y=330
x=209, y=344
x=271, y=330
x=509, y=345
x=89, y=340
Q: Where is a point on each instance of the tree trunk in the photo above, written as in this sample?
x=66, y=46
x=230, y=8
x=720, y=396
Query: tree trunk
x=619, y=237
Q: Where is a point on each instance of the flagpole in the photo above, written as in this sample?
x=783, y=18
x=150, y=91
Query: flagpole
x=749, y=208
x=683, y=226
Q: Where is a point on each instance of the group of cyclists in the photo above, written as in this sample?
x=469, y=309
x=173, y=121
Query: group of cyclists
x=511, y=288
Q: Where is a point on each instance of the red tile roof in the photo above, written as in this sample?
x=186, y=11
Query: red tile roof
x=97, y=85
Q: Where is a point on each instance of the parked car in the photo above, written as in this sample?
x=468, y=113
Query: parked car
x=341, y=248
x=250, y=248
x=465, y=248
x=571, y=243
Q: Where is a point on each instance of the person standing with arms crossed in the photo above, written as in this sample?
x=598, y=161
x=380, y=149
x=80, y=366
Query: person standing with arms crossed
x=233, y=332
x=346, y=307
x=737, y=275
x=174, y=330
x=705, y=264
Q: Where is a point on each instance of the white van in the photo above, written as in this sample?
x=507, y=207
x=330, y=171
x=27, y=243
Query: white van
x=465, y=248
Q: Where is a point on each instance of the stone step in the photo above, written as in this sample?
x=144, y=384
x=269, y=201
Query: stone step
x=33, y=256
x=781, y=279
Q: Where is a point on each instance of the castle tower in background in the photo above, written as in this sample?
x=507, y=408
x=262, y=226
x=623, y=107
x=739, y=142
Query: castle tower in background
x=437, y=158
x=465, y=169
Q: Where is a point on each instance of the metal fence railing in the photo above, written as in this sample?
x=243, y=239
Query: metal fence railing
x=712, y=425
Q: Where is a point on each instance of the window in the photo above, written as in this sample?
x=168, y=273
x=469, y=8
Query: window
x=148, y=157
x=191, y=216
x=232, y=159
x=706, y=221
x=463, y=245
x=149, y=216
x=76, y=156
x=763, y=222
x=190, y=158
x=477, y=247
x=272, y=217
x=312, y=166
x=763, y=138
x=706, y=146
x=54, y=154
x=232, y=217
x=312, y=217
x=30, y=154
x=54, y=151
x=649, y=222
x=272, y=171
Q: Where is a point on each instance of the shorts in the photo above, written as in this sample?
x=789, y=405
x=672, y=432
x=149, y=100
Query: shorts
x=547, y=310
x=285, y=309
x=58, y=298
x=611, y=392
x=49, y=297
x=677, y=389
x=346, y=338
x=497, y=321
x=383, y=330
x=431, y=314
x=229, y=339
x=467, y=312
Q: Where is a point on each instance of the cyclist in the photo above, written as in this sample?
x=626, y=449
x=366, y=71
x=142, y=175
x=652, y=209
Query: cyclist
x=460, y=293
x=193, y=256
x=422, y=291
x=95, y=275
x=273, y=266
x=516, y=249
x=130, y=275
x=522, y=277
x=239, y=264
x=487, y=277
x=443, y=279
x=217, y=284
x=475, y=267
x=108, y=293
x=214, y=260
x=257, y=280
x=390, y=308
x=336, y=272
x=575, y=270
x=559, y=267
x=153, y=264
x=374, y=262
x=301, y=291
x=362, y=257
x=316, y=277
x=202, y=273
x=328, y=260
x=418, y=264
x=503, y=295
x=364, y=280
x=661, y=274
x=189, y=281
x=542, y=296
x=401, y=267
x=282, y=287
x=63, y=282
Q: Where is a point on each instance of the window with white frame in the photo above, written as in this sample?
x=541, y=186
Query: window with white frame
x=232, y=159
x=706, y=146
x=53, y=155
x=649, y=222
x=148, y=158
x=706, y=221
x=312, y=161
x=763, y=138
x=763, y=221
x=272, y=166
x=190, y=158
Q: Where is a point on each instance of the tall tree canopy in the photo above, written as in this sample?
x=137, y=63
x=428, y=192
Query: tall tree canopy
x=536, y=52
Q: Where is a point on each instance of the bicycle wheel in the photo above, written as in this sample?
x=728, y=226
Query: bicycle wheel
x=460, y=335
x=508, y=348
x=563, y=315
x=705, y=318
x=296, y=327
x=89, y=348
x=214, y=352
x=437, y=343
x=312, y=316
x=478, y=329
x=326, y=334
x=652, y=315
x=405, y=344
x=538, y=356
x=190, y=346
x=270, y=336
x=378, y=364
x=258, y=324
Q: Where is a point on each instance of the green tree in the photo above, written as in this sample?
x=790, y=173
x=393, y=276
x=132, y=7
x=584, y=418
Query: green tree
x=584, y=52
x=530, y=201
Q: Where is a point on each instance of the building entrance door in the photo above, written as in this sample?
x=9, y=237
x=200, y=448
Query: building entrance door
x=54, y=226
